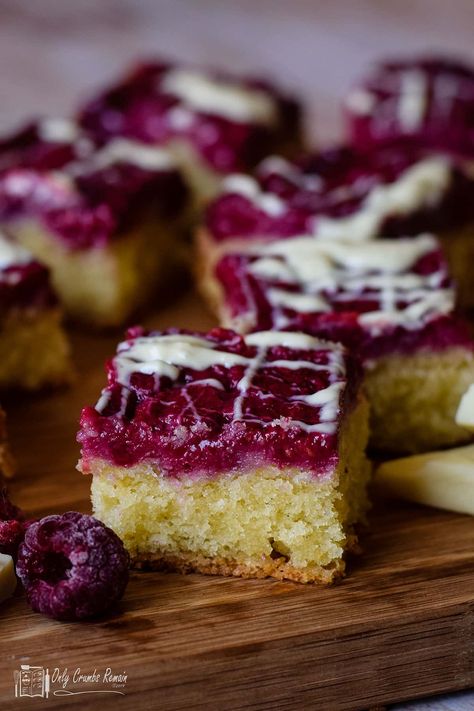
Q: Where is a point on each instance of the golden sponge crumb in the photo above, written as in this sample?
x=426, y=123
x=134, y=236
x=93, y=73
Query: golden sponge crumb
x=287, y=524
x=34, y=351
x=458, y=246
x=414, y=399
x=103, y=286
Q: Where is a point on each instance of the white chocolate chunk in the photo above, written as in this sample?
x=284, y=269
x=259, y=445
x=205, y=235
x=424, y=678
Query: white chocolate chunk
x=465, y=412
x=7, y=577
x=441, y=479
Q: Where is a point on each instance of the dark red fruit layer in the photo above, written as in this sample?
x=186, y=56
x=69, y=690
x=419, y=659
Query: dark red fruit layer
x=232, y=215
x=25, y=286
x=138, y=108
x=72, y=566
x=26, y=149
x=90, y=208
x=160, y=424
x=447, y=121
x=12, y=525
x=246, y=297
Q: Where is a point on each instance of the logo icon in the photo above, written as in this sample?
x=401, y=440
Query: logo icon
x=32, y=681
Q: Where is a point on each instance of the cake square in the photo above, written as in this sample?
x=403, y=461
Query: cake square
x=34, y=351
x=213, y=123
x=391, y=302
x=228, y=454
x=106, y=219
x=349, y=195
x=424, y=100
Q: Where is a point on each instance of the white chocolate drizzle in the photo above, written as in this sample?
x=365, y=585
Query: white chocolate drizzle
x=206, y=94
x=165, y=356
x=249, y=188
x=281, y=166
x=123, y=150
x=360, y=102
x=305, y=275
x=420, y=186
x=58, y=130
x=413, y=99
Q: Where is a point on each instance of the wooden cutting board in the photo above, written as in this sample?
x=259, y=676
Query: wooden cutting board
x=401, y=625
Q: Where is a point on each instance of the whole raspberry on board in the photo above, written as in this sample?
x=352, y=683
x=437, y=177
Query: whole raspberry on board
x=72, y=566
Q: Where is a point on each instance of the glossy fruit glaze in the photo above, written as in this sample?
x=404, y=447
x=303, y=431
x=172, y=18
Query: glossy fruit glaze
x=228, y=416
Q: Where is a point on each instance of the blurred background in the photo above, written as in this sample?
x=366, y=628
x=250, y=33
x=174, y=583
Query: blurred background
x=53, y=52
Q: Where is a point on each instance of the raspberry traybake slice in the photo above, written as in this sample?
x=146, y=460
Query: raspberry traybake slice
x=107, y=220
x=390, y=302
x=214, y=123
x=426, y=100
x=230, y=455
x=34, y=351
x=350, y=195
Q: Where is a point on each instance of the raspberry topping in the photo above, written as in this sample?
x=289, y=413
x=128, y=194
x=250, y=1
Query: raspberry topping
x=430, y=192
x=231, y=122
x=428, y=101
x=72, y=566
x=24, y=282
x=216, y=402
x=88, y=194
x=376, y=297
x=28, y=149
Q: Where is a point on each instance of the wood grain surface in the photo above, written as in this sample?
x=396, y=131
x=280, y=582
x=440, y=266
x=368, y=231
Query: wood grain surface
x=401, y=625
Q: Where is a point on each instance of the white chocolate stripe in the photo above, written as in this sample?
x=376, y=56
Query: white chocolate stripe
x=58, y=130
x=206, y=94
x=413, y=99
x=123, y=150
x=249, y=188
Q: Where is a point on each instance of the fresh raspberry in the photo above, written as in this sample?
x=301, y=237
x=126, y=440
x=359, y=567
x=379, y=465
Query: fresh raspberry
x=72, y=566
